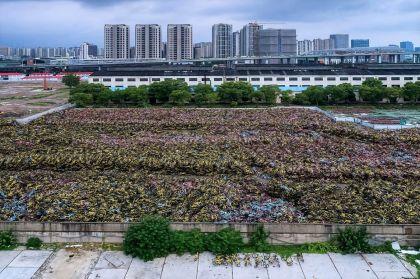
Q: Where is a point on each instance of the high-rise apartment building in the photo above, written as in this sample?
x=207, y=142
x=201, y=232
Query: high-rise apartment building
x=88, y=51
x=222, y=38
x=203, y=50
x=180, y=42
x=407, y=45
x=248, y=35
x=359, y=43
x=322, y=44
x=305, y=46
x=117, y=41
x=340, y=40
x=236, y=44
x=148, y=41
x=275, y=42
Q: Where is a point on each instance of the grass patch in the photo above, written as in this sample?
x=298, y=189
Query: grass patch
x=412, y=260
x=41, y=104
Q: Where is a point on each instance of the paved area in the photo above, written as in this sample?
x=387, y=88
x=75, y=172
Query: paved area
x=76, y=263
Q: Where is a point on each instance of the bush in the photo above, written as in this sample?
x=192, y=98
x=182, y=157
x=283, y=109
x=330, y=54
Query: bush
x=225, y=242
x=351, y=240
x=193, y=242
x=33, y=243
x=81, y=100
x=7, y=240
x=258, y=239
x=149, y=239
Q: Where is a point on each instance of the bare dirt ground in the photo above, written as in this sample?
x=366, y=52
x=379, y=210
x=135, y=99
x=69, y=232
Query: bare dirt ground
x=19, y=99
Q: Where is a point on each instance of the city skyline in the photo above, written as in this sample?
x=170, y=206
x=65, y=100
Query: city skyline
x=52, y=23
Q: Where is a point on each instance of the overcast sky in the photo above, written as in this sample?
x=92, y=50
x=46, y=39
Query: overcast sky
x=33, y=23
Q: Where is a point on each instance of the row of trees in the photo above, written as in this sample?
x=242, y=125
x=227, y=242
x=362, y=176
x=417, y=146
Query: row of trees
x=174, y=92
x=371, y=91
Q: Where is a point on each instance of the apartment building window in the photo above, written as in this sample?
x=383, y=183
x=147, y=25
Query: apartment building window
x=106, y=80
x=155, y=79
x=193, y=79
x=357, y=78
x=218, y=79
x=144, y=79
x=131, y=79
x=331, y=78
x=268, y=79
x=293, y=79
x=382, y=78
x=119, y=79
x=344, y=78
x=319, y=79
x=255, y=79
x=306, y=79
x=281, y=79
x=408, y=78
x=96, y=79
x=395, y=78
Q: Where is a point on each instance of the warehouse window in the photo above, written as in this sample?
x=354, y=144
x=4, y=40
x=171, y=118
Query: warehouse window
x=205, y=79
x=119, y=79
x=144, y=79
x=255, y=79
x=395, y=78
x=319, y=79
x=243, y=79
x=96, y=79
x=218, y=79
x=168, y=78
x=357, y=78
x=331, y=78
x=281, y=79
x=293, y=79
x=408, y=78
x=268, y=79
x=344, y=78
x=155, y=79
x=131, y=79
x=193, y=79
x=382, y=78
x=181, y=79
x=395, y=85
x=306, y=79
x=106, y=79
x=230, y=79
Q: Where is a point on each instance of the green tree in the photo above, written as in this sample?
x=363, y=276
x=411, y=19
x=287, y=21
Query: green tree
x=269, y=94
x=160, y=91
x=138, y=96
x=71, y=80
x=180, y=97
x=372, y=90
x=301, y=99
x=316, y=95
x=372, y=82
x=286, y=96
x=341, y=93
x=239, y=92
x=204, y=94
x=81, y=100
x=411, y=91
x=392, y=94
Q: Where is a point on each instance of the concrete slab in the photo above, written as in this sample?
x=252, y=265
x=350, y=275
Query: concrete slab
x=113, y=260
x=108, y=274
x=394, y=275
x=352, y=266
x=384, y=262
x=30, y=258
x=140, y=269
x=249, y=272
x=285, y=271
x=7, y=257
x=69, y=264
x=180, y=267
x=206, y=269
x=18, y=273
x=318, y=266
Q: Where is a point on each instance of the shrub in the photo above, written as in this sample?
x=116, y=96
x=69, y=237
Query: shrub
x=33, y=243
x=258, y=239
x=193, y=241
x=81, y=100
x=225, y=242
x=351, y=240
x=149, y=239
x=7, y=240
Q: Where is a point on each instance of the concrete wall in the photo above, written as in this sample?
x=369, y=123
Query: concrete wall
x=279, y=233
